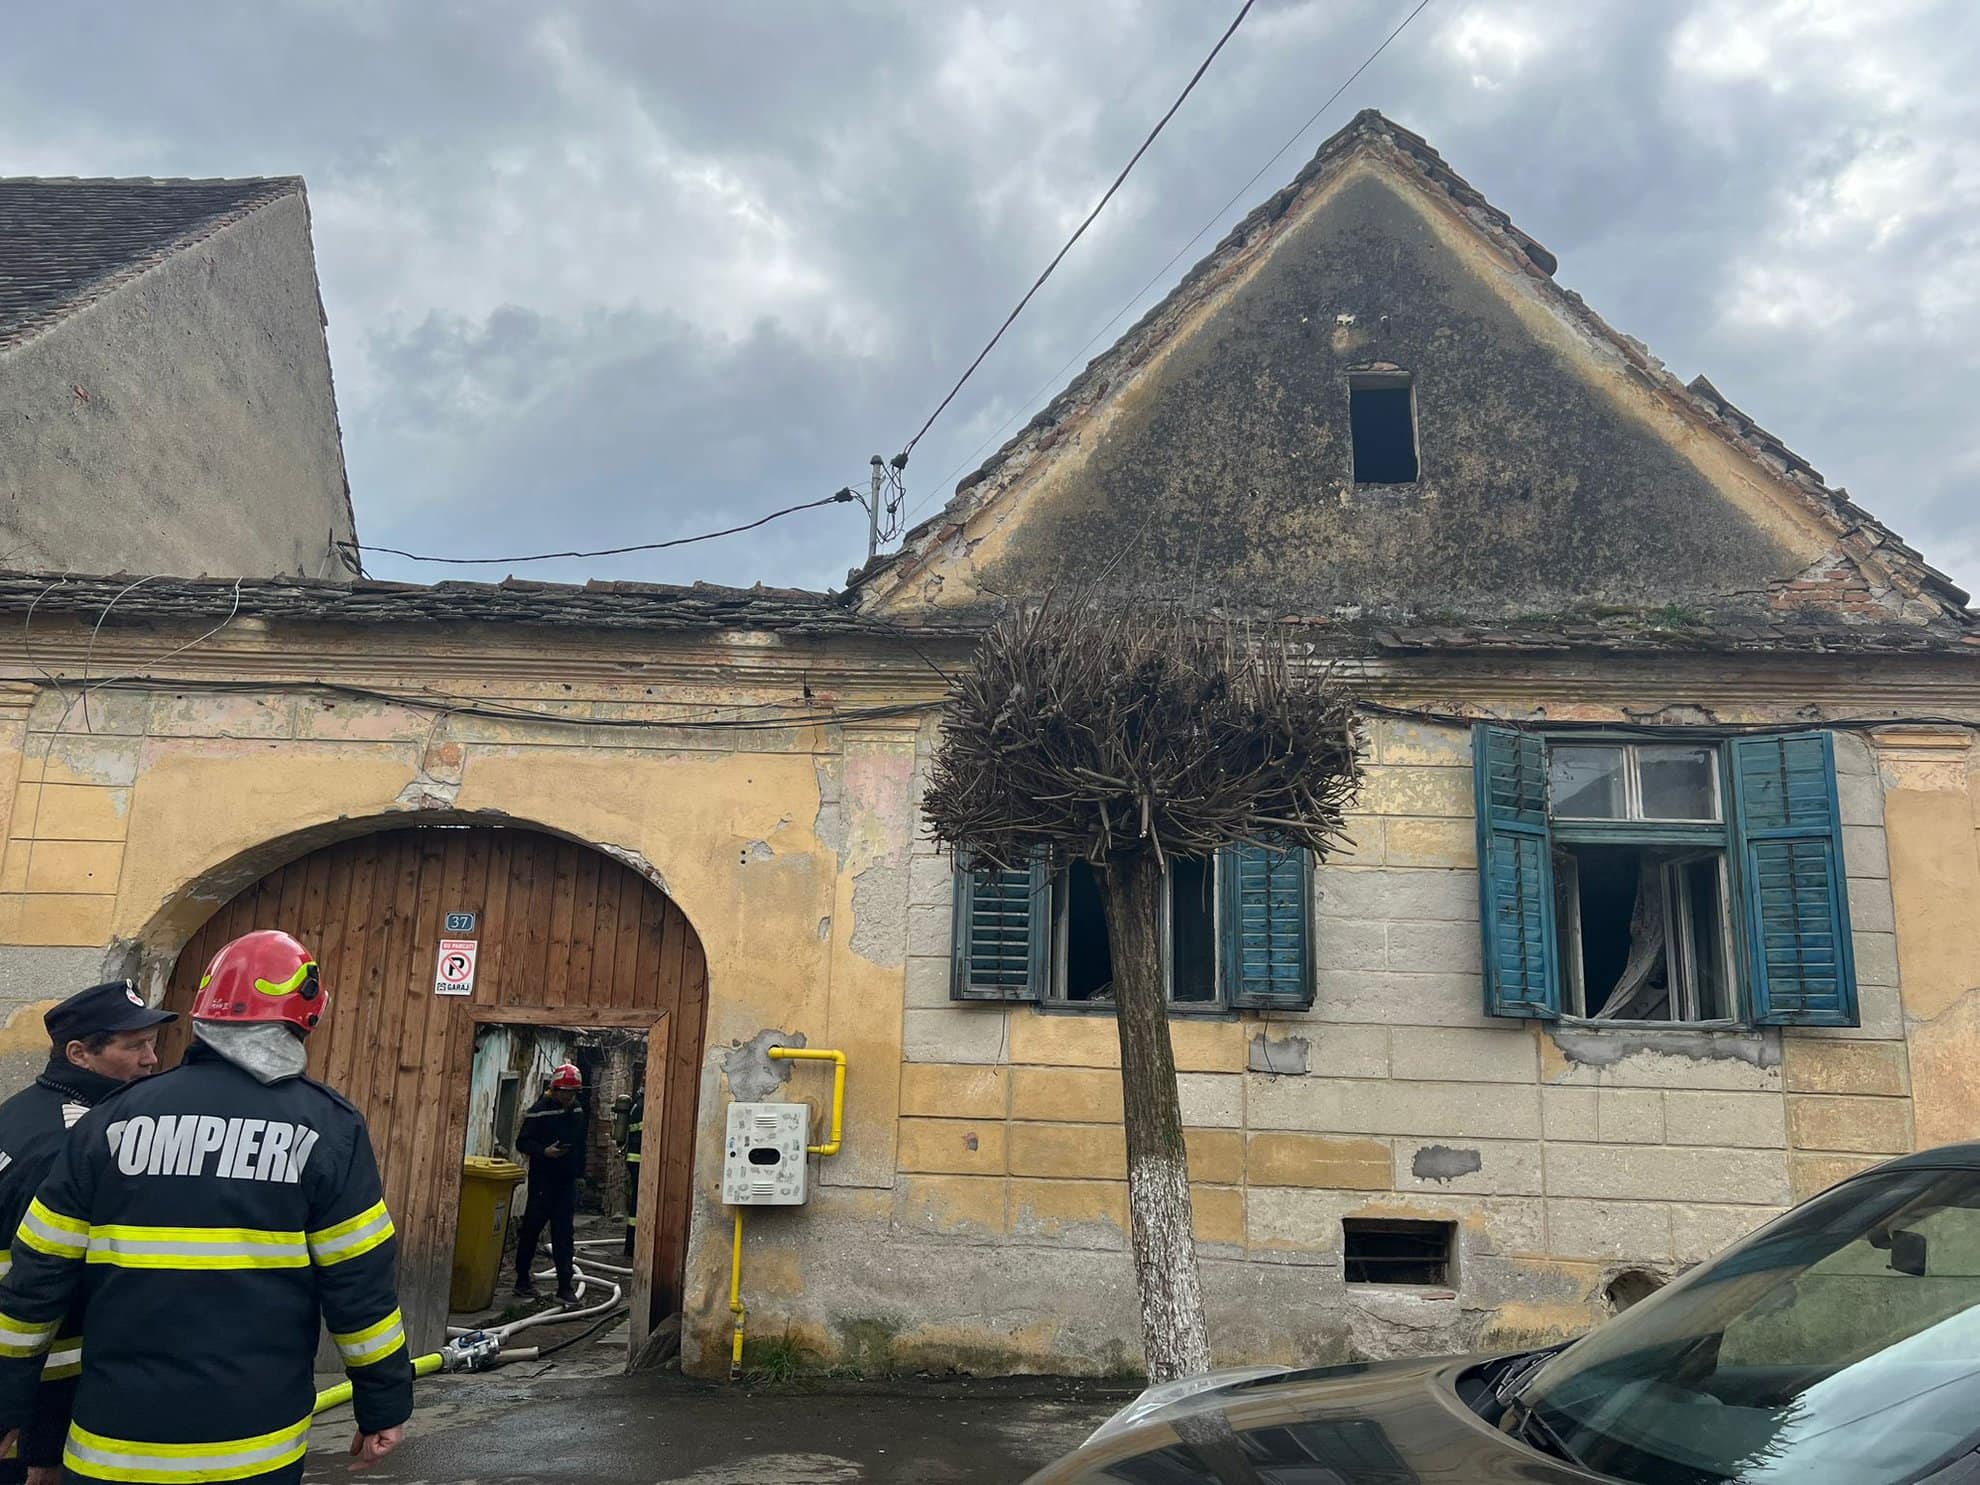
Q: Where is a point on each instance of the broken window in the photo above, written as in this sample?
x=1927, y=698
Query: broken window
x=1084, y=963
x=1644, y=932
x=1643, y=925
x=1382, y=423
x=1390, y=1251
x=1235, y=932
x=1663, y=879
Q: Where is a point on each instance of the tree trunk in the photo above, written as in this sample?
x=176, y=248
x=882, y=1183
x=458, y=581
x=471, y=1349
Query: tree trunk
x=1163, y=1237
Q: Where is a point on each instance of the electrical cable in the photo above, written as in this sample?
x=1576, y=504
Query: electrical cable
x=1079, y=231
x=442, y=702
x=841, y=497
x=1058, y=377
x=418, y=701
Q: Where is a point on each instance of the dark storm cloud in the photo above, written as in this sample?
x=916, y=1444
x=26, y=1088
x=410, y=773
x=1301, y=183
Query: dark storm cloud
x=611, y=272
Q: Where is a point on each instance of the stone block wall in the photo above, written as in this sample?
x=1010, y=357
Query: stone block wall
x=1564, y=1155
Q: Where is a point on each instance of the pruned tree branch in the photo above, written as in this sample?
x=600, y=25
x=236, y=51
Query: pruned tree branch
x=1096, y=729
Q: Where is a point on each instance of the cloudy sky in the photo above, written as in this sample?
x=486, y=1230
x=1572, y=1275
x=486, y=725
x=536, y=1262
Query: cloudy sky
x=617, y=272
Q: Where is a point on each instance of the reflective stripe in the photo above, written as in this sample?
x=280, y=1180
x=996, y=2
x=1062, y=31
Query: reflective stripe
x=48, y=1231
x=351, y=1237
x=64, y=1359
x=373, y=1343
x=6, y=1261
x=196, y=1247
x=23, y=1338
x=97, y=1457
x=632, y=1157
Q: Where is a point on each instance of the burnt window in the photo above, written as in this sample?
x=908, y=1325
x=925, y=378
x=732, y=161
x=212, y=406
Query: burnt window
x=1644, y=927
x=1382, y=419
x=1385, y=1251
x=1084, y=958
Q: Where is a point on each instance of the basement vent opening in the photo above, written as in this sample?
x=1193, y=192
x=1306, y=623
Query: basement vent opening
x=1378, y=1251
x=1382, y=420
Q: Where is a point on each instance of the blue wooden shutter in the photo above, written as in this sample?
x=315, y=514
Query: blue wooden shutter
x=1000, y=932
x=1515, y=874
x=1801, y=968
x=1267, y=895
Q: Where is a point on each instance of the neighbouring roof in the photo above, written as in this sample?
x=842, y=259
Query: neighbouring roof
x=65, y=242
x=1876, y=552
x=121, y=600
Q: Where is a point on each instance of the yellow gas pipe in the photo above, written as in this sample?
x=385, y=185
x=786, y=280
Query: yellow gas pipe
x=830, y=1147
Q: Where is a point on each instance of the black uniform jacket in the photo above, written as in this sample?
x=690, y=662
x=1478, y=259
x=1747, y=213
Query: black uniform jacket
x=210, y=1224
x=546, y=1123
x=33, y=1125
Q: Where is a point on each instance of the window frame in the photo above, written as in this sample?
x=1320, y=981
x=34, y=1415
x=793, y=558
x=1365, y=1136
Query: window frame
x=1702, y=835
x=1677, y=942
x=1385, y=379
x=1785, y=843
x=1230, y=909
x=1631, y=749
x=1058, y=927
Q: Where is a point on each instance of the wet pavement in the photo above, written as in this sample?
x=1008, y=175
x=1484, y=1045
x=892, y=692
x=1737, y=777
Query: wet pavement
x=546, y=1423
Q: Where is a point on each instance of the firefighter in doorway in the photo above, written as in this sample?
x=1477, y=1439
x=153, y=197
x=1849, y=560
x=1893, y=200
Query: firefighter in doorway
x=553, y=1138
x=635, y=1126
x=103, y=1038
x=228, y=1211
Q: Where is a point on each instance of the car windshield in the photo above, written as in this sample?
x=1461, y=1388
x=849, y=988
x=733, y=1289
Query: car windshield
x=1839, y=1345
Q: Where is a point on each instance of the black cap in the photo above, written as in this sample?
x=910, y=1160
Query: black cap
x=116, y=1006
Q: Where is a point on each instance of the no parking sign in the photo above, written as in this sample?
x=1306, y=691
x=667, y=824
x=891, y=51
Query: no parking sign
x=455, y=975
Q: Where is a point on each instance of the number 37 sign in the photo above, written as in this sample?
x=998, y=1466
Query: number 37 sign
x=455, y=975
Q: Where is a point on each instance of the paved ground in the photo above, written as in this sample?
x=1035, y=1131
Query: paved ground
x=511, y=1425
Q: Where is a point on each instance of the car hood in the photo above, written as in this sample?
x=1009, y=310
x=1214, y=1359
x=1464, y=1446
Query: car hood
x=1378, y=1423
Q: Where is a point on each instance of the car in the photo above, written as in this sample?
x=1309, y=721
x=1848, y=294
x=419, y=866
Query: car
x=1837, y=1345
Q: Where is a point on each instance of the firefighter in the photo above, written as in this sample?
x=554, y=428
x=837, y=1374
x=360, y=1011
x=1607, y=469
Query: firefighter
x=100, y=1039
x=553, y=1138
x=635, y=1125
x=211, y=1220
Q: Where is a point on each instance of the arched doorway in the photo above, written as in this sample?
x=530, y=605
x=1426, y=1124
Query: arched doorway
x=567, y=936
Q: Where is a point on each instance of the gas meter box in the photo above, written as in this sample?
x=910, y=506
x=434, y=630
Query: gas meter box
x=764, y=1164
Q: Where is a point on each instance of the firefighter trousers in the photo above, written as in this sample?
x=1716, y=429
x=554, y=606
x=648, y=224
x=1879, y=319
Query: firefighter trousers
x=553, y=1202
x=632, y=1203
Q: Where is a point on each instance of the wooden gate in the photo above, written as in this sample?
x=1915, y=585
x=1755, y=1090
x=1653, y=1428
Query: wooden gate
x=568, y=937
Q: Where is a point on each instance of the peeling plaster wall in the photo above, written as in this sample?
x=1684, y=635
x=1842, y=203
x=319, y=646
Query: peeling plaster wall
x=977, y=1215
x=1565, y=1157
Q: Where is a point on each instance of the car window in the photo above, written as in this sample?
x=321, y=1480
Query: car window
x=1837, y=1346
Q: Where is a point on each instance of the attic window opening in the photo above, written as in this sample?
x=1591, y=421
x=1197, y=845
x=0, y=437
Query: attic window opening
x=1382, y=420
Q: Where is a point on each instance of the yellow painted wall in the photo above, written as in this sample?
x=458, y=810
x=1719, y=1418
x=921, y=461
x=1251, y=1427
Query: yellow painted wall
x=977, y=1214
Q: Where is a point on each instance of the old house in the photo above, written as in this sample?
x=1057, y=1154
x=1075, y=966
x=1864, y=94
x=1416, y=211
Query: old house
x=1656, y=917
x=165, y=398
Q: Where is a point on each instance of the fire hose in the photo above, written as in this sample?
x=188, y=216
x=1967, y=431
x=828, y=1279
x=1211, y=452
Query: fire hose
x=469, y=1350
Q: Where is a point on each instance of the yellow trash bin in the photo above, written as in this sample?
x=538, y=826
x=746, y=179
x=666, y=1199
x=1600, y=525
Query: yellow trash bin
x=487, y=1188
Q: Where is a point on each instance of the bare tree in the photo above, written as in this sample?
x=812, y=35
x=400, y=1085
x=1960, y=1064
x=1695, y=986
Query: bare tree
x=1127, y=736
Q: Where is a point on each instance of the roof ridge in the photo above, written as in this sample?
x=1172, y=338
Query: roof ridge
x=34, y=297
x=292, y=181
x=1862, y=538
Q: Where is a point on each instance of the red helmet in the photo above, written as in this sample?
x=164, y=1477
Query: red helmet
x=566, y=1075
x=262, y=976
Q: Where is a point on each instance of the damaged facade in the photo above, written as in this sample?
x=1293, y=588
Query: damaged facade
x=1705, y=722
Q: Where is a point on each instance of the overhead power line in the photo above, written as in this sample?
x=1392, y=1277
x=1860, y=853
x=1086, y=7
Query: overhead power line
x=1058, y=377
x=1078, y=232
x=842, y=497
